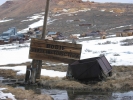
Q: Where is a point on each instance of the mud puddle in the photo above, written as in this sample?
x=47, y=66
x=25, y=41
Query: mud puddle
x=59, y=94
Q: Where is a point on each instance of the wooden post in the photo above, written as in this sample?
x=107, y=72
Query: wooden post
x=69, y=72
x=34, y=70
x=33, y=75
x=39, y=66
x=45, y=19
x=28, y=72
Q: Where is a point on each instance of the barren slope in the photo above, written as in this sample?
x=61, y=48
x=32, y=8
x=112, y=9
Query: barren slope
x=17, y=8
x=114, y=15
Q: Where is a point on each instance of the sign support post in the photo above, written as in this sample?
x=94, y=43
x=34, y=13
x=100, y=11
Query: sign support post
x=37, y=64
x=45, y=20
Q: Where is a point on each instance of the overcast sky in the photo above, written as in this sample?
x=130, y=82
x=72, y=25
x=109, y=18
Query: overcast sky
x=2, y=1
x=123, y=1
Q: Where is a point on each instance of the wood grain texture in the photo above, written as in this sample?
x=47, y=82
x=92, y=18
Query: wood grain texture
x=54, y=50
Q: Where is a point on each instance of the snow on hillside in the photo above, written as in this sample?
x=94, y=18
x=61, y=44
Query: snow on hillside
x=5, y=20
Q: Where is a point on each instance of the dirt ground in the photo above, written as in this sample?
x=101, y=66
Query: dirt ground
x=99, y=20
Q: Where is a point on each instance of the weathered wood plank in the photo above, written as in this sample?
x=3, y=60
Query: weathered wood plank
x=55, y=53
x=54, y=50
x=64, y=50
x=51, y=58
x=41, y=55
x=33, y=71
x=34, y=40
x=39, y=66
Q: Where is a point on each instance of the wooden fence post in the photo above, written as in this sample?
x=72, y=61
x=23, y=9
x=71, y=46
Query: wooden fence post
x=28, y=74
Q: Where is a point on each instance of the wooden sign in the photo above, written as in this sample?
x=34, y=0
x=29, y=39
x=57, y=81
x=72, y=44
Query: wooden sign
x=54, y=50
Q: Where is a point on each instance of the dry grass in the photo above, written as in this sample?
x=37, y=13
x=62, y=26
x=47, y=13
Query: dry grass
x=55, y=68
x=26, y=94
x=121, y=79
x=50, y=78
x=118, y=10
x=62, y=83
x=123, y=68
x=10, y=74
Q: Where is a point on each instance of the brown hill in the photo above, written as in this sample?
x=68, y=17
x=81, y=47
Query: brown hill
x=20, y=8
x=17, y=8
x=103, y=16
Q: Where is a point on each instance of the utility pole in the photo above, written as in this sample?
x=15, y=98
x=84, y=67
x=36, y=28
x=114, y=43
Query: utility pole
x=45, y=20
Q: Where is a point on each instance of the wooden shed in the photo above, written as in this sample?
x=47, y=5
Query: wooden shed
x=97, y=68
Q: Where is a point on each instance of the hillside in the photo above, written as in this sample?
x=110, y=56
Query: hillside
x=17, y=8
x=101, y=16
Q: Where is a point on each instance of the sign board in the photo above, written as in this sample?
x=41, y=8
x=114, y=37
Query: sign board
x=54, y=50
